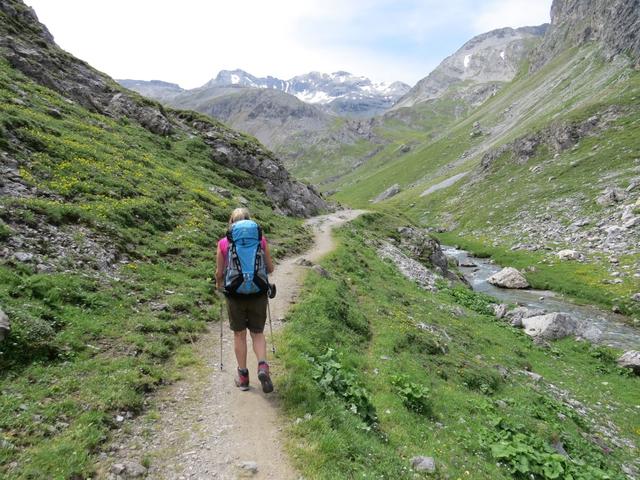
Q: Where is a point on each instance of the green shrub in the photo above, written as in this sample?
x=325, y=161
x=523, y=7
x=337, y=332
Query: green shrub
x=414, y=396
x=483, y=380
x=5, y=231
x=58, y=289
x=478, y=302
x=422, y=343
x=334, y=381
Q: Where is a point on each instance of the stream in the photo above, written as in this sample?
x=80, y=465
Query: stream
x=597, y=325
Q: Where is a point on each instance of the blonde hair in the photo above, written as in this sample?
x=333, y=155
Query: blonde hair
x=239, y=214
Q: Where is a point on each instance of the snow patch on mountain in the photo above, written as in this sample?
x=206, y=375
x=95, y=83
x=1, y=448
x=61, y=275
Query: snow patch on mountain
x=338, y=92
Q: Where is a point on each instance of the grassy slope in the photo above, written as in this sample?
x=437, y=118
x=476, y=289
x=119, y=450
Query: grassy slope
x=575, y=79
x=475, y=422
x=86, y=345
x=330, y=164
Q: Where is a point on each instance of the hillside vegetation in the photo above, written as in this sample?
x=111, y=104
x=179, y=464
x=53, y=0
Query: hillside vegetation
x=527, y=168
x=380, y=371
x=109, y=215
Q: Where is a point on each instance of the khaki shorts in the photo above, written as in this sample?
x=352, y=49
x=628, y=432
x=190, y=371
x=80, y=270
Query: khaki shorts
x=247, y=312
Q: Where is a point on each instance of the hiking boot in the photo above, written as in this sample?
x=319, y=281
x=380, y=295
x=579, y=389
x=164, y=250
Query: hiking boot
x=265, y=379
x=242, y=379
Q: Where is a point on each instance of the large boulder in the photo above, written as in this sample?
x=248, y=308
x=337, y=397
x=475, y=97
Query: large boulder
x=630, y=359
x=570, y=255
x=516, y=315
x=550, y=326
x=5, y=325
x=508, y=277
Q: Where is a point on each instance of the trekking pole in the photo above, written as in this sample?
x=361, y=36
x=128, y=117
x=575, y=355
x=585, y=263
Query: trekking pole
x=221, y=329
x=273, y=346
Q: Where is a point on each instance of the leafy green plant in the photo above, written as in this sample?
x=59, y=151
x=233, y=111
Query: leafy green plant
x=527, y=456
x=414, y=395
x=478, y=302
x=333, y=380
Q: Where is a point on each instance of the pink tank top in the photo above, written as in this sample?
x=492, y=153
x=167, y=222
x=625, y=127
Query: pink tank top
x=223, y=245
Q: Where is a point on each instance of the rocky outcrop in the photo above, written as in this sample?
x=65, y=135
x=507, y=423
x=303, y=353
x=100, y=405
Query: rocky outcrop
x=418, y=256
x=410, y=268
x=28, y=46
x=508, y=277
x=557, y=137
x=5, y=325
x=614, y=24
x=611, y=196
x=551, y=326
x=392, y=191
x=630, y=359
x=426, y=249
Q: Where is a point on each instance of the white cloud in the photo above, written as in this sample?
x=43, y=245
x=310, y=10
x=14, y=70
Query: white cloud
x=188, y=42
x=511, y=13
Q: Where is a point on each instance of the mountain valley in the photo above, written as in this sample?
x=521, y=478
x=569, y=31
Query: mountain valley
x=393, y=355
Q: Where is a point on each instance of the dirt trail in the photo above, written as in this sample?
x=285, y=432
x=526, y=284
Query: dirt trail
x=205, y=427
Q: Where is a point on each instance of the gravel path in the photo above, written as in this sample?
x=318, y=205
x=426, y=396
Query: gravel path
x=203, y=427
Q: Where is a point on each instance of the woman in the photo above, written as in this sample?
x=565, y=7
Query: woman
x=246, y=312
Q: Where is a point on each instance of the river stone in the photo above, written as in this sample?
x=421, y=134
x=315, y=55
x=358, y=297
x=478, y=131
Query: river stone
x=392, y=191
x=500, y=310
x=630, y=359
x=569, y=255
x=5, y=325
x=517, y=314
x=636, y=297
x=423, y=464
x=550, y=326
x=508, y=277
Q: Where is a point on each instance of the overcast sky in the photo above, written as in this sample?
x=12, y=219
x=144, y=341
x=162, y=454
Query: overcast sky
x=189, y=41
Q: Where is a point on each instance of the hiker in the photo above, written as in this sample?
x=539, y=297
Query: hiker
x=246, y=295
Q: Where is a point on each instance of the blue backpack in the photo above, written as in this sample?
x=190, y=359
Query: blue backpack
x=246, y=271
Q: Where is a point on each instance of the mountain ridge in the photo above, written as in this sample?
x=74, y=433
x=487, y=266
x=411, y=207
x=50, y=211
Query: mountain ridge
x=491, y=57
x=338, y=93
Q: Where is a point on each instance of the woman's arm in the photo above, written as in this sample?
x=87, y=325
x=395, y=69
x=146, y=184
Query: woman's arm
x=219, y=268
x=267, y=258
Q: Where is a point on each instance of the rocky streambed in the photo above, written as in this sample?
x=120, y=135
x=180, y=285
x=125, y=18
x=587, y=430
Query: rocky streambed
x=591, y=323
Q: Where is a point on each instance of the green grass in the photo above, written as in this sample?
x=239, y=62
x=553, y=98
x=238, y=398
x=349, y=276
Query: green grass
x=476, y=422
x=86, y=343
